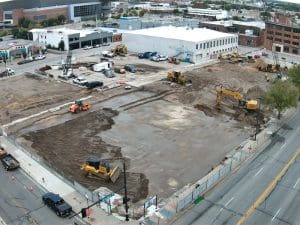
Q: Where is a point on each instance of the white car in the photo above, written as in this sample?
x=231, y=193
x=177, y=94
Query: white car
x=159, y=58
x=10, y=71
x=107, y=54
x=87, y=47
x=80, y=81
x=40, y=57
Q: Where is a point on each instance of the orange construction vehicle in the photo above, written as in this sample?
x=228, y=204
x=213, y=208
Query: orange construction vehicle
x=78, y=106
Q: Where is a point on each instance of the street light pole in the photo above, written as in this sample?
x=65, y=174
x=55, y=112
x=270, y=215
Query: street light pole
x=125, y=190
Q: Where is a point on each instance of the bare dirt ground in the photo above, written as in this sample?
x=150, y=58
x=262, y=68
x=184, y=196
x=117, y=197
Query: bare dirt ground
x=22, y=96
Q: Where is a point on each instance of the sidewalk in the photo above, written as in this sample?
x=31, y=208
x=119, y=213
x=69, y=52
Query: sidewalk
x=54, y=184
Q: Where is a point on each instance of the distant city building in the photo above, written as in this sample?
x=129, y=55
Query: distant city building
x=11, y=49
x=38, y=10
x=210, y=14
x=73, y=39
x=250, y=33
x=282, y=35
x=137, y=23
x=194, y=45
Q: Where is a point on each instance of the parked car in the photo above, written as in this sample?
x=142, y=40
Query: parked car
x=264, y=54
x=159, y=58
x=93, y=84
x=80, y=81
x=9, y=162
x=256, y=56
x=108, y=54
x=57, y=204
x=10, y=71
x=106, y=44
x=40, y=57
x=97, y=46
x=87, y=47
x=147, y=55
x=130, y=68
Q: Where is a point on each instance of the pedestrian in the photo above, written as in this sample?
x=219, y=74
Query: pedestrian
x=43, y=179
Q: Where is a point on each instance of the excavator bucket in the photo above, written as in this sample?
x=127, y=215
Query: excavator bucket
x=115, y=173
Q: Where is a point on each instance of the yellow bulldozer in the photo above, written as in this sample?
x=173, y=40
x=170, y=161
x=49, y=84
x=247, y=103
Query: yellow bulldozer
x=251, y=105
x=177, y=77
x=120, y=49
x=96, y=168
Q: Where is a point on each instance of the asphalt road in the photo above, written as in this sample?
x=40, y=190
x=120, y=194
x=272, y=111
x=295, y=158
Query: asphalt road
x=232, y=198
x=21, y=202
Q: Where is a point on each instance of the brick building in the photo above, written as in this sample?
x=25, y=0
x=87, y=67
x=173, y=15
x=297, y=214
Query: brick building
x=38, y=10
x=250, y=33
x=282, y=35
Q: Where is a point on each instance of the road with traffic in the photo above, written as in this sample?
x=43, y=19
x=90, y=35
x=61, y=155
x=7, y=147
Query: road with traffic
x=233, y=197
x=21, y=201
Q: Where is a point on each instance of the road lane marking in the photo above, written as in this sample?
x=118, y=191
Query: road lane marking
x=283, y=146
x=258, y=172
x=229, y=201
x=276, y=214
x=296, y=182
x=269, y=189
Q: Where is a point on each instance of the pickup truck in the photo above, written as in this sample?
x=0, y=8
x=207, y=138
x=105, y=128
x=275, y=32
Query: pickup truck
x=57, y=204
x=9, y=162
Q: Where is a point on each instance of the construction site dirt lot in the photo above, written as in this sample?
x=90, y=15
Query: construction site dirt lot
x=166, y=141
x=25, y=95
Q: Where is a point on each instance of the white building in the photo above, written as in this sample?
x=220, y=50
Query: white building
x=73, y=39
x=194, y=45
x=217, y=14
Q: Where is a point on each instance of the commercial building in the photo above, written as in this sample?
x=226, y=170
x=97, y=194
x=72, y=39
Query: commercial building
x=73, y=39
x=38, y=10
x=210, y=14
x=195, y=45
x=250, y=33
x=282, y=35
x=11, y=49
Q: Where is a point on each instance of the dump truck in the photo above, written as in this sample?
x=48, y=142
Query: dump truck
x=177, y=77
x=79, y=106
x=9, y=162
x=96, y=168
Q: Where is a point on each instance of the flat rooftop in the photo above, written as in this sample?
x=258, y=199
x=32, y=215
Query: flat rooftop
x=229, y=23
x=182, y=33
x=7, y=44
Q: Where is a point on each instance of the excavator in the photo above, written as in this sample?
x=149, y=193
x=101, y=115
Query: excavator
x=94, y=168
x=120, y=49
x=177, y=77
x=78, y=106
x=250, y=105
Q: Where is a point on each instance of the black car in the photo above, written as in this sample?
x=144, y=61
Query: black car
x=57, y=204
x=93, y=84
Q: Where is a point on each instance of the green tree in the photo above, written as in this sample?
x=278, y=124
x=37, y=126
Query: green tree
x=24, y=54
x=61, y=19
x=142, y=13
x=265, y=15
x=294, y=76
x=24, y=22
x=3, y=33
x=282, y=95
x=61, y=45
x=176, y=11
x=15, y=32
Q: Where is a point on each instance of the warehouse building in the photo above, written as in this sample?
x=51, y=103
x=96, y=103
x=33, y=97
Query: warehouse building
x=73, y=39
x=38, y=10
x=192, y=45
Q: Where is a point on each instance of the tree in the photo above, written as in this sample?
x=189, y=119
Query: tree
x=24, y=54
x=142, y=13
x=265, y=15
x=3, y=33
x=282, y=95
x=24, y=22
x=15, y=32
x=61, y=19
x=61, y=45
x=294, y=76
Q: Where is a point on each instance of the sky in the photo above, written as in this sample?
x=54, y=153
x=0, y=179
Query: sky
x=294, y=1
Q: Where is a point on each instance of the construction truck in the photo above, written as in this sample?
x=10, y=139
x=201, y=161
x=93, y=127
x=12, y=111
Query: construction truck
x=96, y=168
x=79, y=106
x=120, y=49
x=173, y=60
x=264, y=67
x=177, y=77
x=247, y=104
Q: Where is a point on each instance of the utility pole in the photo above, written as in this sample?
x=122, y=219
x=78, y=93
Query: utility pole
x=125, y=190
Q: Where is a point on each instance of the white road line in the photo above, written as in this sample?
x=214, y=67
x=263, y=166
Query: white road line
x=221, y=209
x=258, y=172
x=229, y=201
x=276, y=214
x=283, y=146
x=2, y=221
x=296, y=182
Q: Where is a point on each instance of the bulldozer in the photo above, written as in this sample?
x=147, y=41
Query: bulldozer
x=95, y=168
x=176, y=77
x=250, y=105
x=120, y=49
x=79, y=106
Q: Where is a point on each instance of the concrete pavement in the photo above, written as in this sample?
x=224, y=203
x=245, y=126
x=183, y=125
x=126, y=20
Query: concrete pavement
x=233, y=197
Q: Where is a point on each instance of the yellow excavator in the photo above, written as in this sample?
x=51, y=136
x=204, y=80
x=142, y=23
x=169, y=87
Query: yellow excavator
x=251, y=105
x=120, y=49
x=177, y=77
x=95, y=168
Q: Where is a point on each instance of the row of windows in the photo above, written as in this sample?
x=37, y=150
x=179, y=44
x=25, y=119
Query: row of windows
x=216, y=43
x=288, y=29
x=285, y=35
x=74, y=39
x=216, y=52
x=86, y=10
x=287, y=49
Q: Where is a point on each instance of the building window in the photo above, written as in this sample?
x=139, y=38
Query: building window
x=288, y=29
x=295, y=50
x=214, y=43
x=200, y=45
x=196, y=46
x=223, y=41
x=278, y=34
x=287, y=35
x=40, y=17
x=295, y=37
x=86, y=10
x=278, y=39
x=207, y=45
x=270, y=32
x=295, y=43
x=270, y=38
x=287, y=42
x=296, y=30
x=211, y=44
x=286, y=49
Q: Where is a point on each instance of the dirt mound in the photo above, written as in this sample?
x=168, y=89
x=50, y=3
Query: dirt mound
x=66, y=146
x=255, y=92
